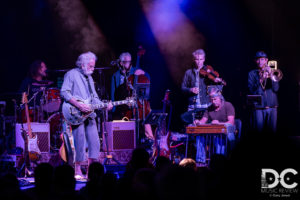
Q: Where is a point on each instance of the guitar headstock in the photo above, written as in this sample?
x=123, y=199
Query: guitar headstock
x=24, y=98
x=130, y=101
x=167, y=96
x=141, y=51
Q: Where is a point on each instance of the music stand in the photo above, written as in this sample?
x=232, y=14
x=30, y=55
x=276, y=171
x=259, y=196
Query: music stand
x=254, y=100
x=155, y=117
x=142, y=90
x=214, y=88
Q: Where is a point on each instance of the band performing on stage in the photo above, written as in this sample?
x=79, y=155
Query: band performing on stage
x=83, y=127
x=149, y=100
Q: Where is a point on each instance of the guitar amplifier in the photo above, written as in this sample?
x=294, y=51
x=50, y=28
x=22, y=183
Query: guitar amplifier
x=120, y=135
x=41, y=130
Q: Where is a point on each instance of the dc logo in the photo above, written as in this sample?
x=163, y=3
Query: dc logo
x=278, y=178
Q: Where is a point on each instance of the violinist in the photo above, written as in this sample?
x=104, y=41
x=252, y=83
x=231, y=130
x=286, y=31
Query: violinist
x=121, y=87
x=259, y=83
x=197, y=79
x=194, y=85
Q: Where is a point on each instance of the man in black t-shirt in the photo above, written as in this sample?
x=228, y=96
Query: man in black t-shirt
x=34, y=83
x=35, y=87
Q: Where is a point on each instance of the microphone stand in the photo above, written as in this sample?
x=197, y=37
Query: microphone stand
x=136, y=113
x=137, y=120
x=34, y=105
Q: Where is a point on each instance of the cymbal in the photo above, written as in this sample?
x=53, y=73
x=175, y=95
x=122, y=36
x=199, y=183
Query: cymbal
x=43, y=83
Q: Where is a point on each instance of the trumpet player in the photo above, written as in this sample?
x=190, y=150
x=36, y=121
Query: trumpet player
x=261, y=82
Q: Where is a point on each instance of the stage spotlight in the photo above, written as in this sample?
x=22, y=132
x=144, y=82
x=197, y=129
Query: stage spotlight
x=176, y=36
x=78, y=27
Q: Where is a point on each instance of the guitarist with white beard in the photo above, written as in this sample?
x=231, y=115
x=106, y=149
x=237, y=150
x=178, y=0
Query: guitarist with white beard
x=78, y=84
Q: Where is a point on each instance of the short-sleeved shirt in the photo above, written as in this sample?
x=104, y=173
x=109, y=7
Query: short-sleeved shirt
x=222, y=114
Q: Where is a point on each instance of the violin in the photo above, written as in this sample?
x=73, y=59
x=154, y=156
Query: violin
x=211, y=74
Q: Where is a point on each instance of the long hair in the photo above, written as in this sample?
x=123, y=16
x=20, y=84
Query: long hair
x=34, y=68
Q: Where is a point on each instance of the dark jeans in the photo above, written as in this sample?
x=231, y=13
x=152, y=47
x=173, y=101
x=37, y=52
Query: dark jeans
x=265, y=119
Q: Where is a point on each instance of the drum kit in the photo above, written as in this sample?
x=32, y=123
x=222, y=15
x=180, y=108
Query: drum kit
x=46, y=111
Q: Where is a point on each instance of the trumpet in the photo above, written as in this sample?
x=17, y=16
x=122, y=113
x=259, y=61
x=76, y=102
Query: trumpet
x=271, y=71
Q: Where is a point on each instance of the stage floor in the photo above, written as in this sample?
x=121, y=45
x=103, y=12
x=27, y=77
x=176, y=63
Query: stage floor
x=26, y=183
x=117, y=170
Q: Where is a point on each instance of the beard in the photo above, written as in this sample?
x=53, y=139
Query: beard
x=87, y=71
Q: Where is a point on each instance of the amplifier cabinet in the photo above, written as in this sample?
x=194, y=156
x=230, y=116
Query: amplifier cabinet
x=120, y=135
x=41, y=130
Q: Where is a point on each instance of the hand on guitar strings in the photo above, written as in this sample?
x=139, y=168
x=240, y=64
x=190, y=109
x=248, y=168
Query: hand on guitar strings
x=109, y=106
x=84, y=107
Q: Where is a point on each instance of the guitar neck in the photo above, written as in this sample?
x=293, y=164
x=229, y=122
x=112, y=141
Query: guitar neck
x=116, y=103
x=28, y=121
x=104, y=105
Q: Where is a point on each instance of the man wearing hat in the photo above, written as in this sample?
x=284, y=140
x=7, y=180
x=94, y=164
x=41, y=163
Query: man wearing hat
x=259, y=83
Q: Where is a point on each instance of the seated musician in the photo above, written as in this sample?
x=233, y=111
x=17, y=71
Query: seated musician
x=35, y=82
x=194, y=86
x=34, y=85
x=220, y=112
x=122, y=88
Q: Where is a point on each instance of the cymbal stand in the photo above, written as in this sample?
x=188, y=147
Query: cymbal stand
x=34, y=102
x=108, y=156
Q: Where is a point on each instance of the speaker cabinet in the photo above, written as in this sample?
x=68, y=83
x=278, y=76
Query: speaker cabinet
x=120, y=135
x=41, y=130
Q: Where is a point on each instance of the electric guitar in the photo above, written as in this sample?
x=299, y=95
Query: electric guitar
x=162, y=140
x=67, y=149
x=75, y=117
x=31, y=148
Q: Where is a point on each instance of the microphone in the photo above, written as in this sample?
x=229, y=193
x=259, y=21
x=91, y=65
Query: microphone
x=115, y=62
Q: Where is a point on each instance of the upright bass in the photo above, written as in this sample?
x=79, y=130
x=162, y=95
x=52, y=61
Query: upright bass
x=143, y=105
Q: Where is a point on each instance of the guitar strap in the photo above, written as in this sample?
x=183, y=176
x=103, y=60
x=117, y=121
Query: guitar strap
x=90, y=88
